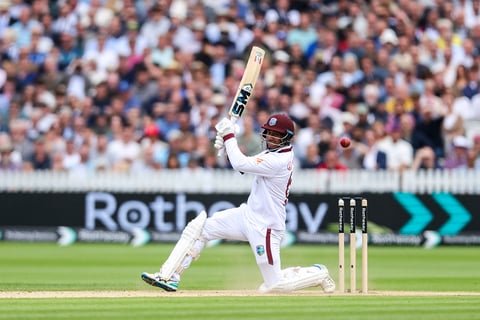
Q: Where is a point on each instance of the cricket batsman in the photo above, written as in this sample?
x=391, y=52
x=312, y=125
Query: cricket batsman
x=260, y=221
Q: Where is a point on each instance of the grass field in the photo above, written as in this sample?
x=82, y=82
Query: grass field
x=405, y=283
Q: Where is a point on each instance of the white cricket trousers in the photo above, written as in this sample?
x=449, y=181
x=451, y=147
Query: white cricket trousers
x=233, y=224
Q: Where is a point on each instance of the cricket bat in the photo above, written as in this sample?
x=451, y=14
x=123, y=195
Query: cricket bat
x=246, y=86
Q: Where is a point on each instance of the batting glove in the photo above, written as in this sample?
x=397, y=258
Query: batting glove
x=219, y=145
x=225, y=128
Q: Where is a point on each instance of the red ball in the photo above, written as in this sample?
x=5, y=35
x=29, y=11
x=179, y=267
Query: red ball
x=345, y=142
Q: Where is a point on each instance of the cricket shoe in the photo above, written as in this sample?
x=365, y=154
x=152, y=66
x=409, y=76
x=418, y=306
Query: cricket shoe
x=327, y=283
x=156, y=281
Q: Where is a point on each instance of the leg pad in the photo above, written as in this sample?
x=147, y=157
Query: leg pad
x=184, y=247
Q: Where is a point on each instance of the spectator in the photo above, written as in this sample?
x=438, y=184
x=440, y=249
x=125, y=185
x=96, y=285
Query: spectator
x=372, y=73
x=352, y=71
x=474, y=154
x=326, y=50
x=221, y=65
x=144, y=88
x=66, y=21
x=7, y=161
x=351, y=157
x=55, y=142
x=157, y=24
x=52, y=76
x=9, y=47
x=453, y=123
x=115, y=31
x=409, y=134
x=472, y=86
x=429, y=99
x=399, y=152
x=103, y=57
x=400, y=99
x=373, y=158
x=57, y=162
x=21, y=143
x=458, y=157
x=152, y=138
x=310, y=134
x=425, y=159
x=5, y=18
x=23, y=27
x=462, y=79
x=196, y=42
x=167, y=120
x=124, y=150
x=173, y=161
x=69, y=53
x=40, y=159
x=85, y=165
x=102, y=98
x=249, y=140
x=27, y=72
x=99, y=154
x=332, y=162
x=78, y=85
x=430, y=129
x=403, y=58
x=299, y=108
x=146, y=162
x=71, y=157
x=312, y=157
x=302, y=33
x=210, y=160
x=162, y=54
x=39, y=48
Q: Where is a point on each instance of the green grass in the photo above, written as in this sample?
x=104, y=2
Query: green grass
x=245, y=308
x=47, y=267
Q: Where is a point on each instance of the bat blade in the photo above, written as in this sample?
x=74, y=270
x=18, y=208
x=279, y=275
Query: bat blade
x=247, y=83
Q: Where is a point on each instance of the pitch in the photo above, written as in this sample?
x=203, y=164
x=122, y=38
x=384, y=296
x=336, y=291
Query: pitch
x=214, y=293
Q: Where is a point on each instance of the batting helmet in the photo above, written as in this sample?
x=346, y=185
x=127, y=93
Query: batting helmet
x=282, y=124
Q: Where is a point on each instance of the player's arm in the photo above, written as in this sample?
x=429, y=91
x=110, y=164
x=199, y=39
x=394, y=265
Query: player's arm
x=261, y=164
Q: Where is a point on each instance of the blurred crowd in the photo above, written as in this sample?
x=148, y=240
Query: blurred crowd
x=138, y=85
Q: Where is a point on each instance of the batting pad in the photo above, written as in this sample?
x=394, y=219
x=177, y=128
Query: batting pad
x=190, y=234
x=298, y=278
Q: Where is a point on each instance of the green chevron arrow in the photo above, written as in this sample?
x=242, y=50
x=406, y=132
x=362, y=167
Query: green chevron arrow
x=459, y=216
x=420, y=215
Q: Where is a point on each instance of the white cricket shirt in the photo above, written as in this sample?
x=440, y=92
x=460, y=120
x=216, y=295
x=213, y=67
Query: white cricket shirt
x=270, y=187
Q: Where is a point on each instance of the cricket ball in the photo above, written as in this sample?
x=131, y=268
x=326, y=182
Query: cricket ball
x=345, y=142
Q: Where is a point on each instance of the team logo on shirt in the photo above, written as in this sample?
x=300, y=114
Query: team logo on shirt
x=260, y=250
x=259, y=160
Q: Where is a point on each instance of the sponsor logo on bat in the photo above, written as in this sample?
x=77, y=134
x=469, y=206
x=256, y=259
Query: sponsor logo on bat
x=258, y=57
x=242, y=99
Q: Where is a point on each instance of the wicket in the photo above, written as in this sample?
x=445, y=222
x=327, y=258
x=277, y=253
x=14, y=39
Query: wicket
x=352, y=201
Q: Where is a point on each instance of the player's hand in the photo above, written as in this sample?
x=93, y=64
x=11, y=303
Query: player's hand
x=219, y=145
x=224, y=127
